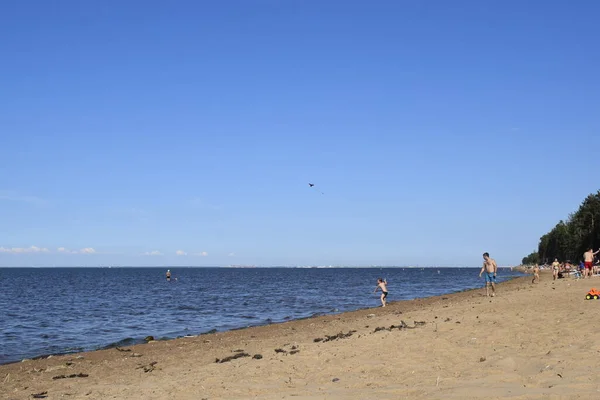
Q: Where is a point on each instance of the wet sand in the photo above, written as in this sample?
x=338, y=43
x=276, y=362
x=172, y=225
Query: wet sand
x=528, y=342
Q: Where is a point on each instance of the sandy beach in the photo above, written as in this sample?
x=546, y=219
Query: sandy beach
x=528, y=342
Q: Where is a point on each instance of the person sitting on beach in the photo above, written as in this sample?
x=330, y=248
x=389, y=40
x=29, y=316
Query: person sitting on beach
x=536, y=274
x=555, y=268
x=588, y=260
x=490, y=268
x=383, y=285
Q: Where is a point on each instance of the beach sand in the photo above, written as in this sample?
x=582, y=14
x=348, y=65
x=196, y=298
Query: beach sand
x=528, y=342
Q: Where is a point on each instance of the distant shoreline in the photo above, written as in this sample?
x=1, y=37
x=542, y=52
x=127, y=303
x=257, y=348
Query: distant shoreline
x=257, y=267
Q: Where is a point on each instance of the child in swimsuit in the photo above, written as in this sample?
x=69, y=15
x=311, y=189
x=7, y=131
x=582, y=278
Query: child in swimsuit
x=536, y=274
x=383, y=285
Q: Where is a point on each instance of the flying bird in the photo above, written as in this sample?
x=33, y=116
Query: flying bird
x=312, y=185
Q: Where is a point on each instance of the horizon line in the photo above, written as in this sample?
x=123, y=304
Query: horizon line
x=245, y=267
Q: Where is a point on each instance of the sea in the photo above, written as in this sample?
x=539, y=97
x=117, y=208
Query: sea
x=66, y=310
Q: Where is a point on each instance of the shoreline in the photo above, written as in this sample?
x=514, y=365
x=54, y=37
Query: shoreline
x=461, y=345
x=138, y=342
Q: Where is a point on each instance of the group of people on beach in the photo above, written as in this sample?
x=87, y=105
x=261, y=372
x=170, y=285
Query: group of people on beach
x=586, y=269
x=490, y=268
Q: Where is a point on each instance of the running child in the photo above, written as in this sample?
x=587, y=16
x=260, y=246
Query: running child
x=382, y=284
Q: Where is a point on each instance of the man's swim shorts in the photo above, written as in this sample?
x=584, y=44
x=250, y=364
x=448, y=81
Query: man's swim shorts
x=489, y=277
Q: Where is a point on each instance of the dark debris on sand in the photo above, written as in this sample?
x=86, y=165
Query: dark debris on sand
x=40, y=395
x=403, y=325
x=293, y=349
x=233, y=357
x=292, y=352
x=80, y=375
x=329, y=338
x=148, y=368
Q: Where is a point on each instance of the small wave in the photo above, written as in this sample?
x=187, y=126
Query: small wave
x=136, y=313
x=188, y=308
x=239, y=328
x=248, y=317
x=47, y=336
x=74, y=349
x=122, y=343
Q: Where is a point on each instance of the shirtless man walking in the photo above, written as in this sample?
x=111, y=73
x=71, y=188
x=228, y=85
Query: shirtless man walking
x=382, y=284
x=588, y=260
x=490, y=268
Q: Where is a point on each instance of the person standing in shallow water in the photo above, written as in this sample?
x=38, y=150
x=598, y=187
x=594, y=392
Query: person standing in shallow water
x=382, y=284
x=168, y=275
x=491, y=268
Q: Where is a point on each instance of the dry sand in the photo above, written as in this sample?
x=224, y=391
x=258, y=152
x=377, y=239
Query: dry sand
x=529, y=342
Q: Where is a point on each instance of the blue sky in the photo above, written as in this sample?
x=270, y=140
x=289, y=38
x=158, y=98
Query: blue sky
x=437, y=130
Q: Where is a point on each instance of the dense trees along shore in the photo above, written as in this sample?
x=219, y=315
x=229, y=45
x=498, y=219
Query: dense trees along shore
x=569, y=239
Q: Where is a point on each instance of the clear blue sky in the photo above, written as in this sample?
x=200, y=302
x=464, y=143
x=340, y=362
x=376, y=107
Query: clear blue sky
x=436, y=129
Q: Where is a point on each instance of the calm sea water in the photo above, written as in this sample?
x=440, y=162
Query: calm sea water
x=62, y=310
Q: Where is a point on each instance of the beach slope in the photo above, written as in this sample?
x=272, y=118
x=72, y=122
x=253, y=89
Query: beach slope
x=528, y=342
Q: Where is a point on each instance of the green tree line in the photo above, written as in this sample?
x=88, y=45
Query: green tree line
x=569, y=239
